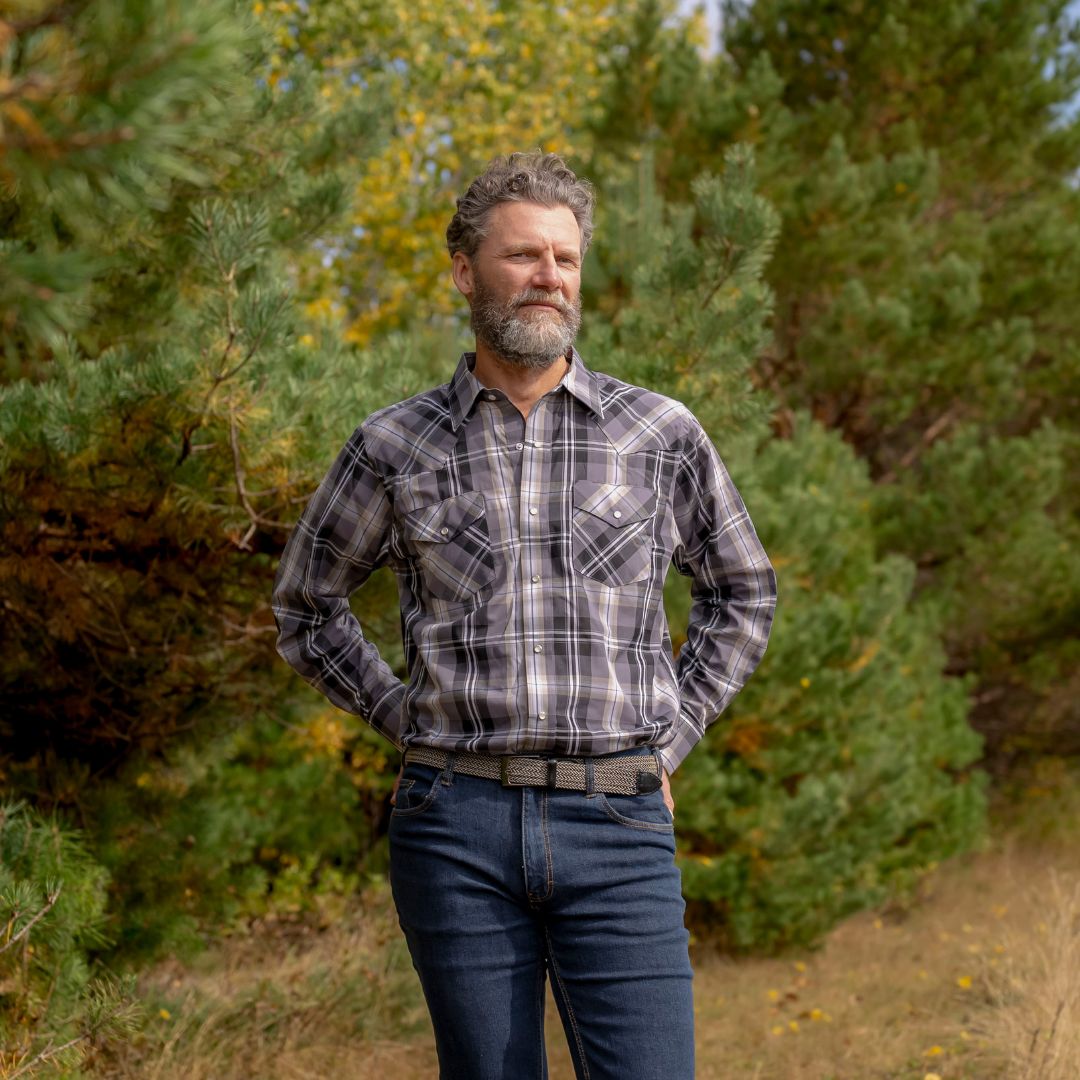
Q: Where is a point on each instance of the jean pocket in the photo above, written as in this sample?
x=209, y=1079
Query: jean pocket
x=648, y=812
x=612, y=531
x=416, y=791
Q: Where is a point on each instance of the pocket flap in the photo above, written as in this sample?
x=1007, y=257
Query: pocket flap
x=441, y=521
x=617, y=504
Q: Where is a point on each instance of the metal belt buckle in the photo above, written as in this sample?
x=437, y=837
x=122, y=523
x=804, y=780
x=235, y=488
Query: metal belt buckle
x=504, y=768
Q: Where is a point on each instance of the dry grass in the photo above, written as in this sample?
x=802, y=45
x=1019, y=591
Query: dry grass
x=978, y=978
x=1032, y=1021
x=289, y=1003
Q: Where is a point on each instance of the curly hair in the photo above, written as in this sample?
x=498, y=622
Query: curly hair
x=520, y=177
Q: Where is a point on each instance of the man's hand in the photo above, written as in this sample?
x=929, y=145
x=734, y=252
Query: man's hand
x=397, y=780
x=665, y=787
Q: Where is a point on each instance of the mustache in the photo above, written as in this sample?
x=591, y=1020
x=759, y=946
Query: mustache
x=538, y=296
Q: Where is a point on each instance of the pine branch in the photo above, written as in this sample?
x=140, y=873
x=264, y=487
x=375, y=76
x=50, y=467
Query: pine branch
x=50, y=901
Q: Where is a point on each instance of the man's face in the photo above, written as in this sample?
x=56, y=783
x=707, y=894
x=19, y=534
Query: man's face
x=524, y=283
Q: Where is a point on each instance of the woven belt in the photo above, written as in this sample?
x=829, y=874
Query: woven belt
x=634, y=775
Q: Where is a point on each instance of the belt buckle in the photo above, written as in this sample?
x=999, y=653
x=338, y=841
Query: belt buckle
x=504, y=768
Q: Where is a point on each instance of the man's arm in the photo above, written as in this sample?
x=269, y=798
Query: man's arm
x=733, y=593
x=342, y=536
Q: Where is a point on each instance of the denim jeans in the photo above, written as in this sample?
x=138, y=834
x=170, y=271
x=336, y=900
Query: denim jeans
x=498, y=888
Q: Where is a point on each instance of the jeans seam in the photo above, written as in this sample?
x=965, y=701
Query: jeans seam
x=569, y=1008
x=542, y=1055
x=549, y=861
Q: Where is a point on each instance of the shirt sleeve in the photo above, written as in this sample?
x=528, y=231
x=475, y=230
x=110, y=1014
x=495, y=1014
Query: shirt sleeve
x=733, y=594
x=340, y=539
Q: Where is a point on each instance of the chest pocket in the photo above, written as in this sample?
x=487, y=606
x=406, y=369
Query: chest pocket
x=612, y=530
x=453, y=545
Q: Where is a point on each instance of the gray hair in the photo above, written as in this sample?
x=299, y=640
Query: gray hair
x=534, y=177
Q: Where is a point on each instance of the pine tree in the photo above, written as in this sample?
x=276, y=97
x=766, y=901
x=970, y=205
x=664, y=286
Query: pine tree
x=922, y=158
x=54, y=1008
x=165, y=412
x=843, y=770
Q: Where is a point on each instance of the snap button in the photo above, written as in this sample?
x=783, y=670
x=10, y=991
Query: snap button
x=520, y=445
x=535, y=578
x=538, y=648
x=618, y=514
x=533, y=510
x=541, y=716
x=444, y=531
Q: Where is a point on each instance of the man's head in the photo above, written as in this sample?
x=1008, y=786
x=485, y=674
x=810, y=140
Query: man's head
x=517, y=241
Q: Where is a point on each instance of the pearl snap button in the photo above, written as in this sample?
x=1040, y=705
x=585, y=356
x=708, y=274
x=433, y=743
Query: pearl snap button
x=491, y=397
x=533, y=510
x=618, y=514
x=541, y=716
x=536, y=578
x=444, y=532
x=538, y=648
x=520, y=445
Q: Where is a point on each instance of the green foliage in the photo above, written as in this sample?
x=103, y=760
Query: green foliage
x=103, y=108
x=53, y=1008
x=697, y=309
x=862, y=212
x=274, y=818
x=154, y=454
x=922, y=159
x=843, y=771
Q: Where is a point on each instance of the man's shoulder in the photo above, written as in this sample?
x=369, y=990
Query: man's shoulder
x=411, y=434
x=637, y=418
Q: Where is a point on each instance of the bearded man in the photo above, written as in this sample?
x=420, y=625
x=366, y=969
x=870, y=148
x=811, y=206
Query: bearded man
x=530, y=509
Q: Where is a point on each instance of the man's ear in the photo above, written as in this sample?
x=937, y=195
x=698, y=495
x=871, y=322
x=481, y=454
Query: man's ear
x=463, y=274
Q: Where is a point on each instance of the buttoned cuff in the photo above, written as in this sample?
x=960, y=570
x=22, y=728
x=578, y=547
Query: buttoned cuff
x=387, y=716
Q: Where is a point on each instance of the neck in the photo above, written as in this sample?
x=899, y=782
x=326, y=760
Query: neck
x=523, y=386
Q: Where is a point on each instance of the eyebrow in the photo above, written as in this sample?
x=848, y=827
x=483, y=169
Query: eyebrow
x=510, y=247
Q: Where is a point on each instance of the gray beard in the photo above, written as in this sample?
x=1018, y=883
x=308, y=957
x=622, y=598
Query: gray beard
x=534, y=344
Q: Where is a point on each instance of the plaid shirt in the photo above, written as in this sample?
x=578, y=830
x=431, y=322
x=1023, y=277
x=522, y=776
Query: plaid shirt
x=530, y=557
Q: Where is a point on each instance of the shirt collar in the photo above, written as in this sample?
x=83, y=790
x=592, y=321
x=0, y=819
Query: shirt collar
x=465, y=387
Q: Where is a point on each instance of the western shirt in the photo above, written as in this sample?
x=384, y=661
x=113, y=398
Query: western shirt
x=530, y=558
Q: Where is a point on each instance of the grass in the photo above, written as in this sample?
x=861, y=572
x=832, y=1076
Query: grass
x=977, y=977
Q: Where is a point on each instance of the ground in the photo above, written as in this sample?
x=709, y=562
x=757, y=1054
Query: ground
x=977, y=976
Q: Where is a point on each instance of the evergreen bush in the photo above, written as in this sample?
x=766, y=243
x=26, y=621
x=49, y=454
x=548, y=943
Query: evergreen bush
x=54, y=1009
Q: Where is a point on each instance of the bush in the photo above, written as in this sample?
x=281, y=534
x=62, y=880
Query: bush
x=843, y=770
x=53, y=1010
x=276, y=817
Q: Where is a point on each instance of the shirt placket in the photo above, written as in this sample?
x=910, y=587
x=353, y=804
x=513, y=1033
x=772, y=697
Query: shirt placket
x=534, y=516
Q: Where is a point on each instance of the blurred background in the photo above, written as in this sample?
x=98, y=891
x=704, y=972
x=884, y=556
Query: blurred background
x=846, y=234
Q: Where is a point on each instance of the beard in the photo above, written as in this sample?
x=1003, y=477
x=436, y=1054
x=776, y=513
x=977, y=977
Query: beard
x=533, y=341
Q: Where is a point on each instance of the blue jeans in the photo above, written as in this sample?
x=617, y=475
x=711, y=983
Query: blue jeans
x=498, y=887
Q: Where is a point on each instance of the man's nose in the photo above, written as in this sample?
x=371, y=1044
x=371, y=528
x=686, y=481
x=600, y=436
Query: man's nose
x=547, y=274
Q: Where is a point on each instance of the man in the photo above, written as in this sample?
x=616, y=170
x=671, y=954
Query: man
x=530, y=509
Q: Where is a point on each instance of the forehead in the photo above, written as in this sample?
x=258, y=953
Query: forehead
x=528, y=222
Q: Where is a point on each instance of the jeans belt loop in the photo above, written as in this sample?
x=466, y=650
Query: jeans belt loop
x=448, y=772
x=552, y=772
